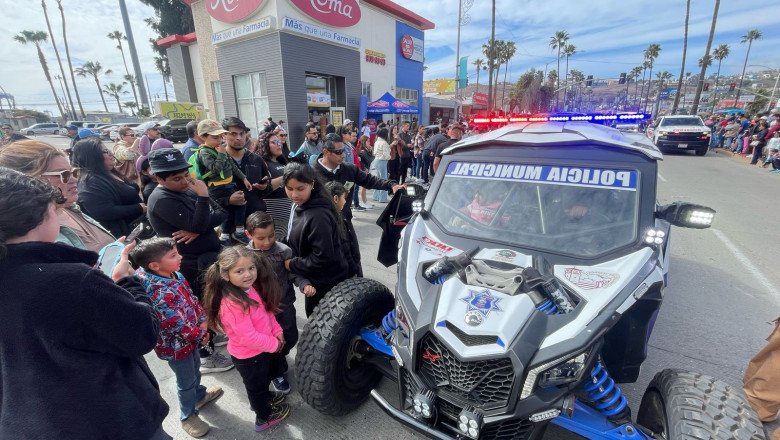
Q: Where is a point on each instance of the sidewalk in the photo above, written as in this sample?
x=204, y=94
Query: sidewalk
x=743, y=159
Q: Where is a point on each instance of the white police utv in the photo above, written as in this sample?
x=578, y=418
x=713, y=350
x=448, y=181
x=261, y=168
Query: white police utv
x=530, y=275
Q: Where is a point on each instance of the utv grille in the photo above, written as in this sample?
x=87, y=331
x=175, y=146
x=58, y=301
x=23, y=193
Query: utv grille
x=507, y=430
x=479, y=383
x=471, y=340
x=410, y=389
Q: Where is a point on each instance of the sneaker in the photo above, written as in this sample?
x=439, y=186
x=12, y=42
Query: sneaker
x=775, y=171
x=195, y=426
x=276, y=398
x=278, y=414
x=215, y=364
x=212, y=394
x=359, y=208
x=220, y=340
x=226, y=242
x=368, y=205
x=242, y=238
x=280, y=385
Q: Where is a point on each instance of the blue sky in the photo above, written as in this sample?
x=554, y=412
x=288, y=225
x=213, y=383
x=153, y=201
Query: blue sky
x=610, y=34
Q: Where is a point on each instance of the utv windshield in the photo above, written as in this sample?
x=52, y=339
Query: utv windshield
x=569, y=210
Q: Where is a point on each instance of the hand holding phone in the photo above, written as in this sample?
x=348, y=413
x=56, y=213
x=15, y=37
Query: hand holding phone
x=134, y=233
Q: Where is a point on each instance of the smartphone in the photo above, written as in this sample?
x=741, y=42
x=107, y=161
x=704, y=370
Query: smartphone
x=264, y=180
x=134, y=233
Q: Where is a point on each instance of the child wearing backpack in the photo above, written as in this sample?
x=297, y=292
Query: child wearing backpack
x=241, y=298
x=182, y=329
x=219, y=171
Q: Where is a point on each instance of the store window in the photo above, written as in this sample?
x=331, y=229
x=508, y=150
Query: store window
x=252, y=99
x=323, y=92
x=367, y=90
x=408, y=96
x=216, y=90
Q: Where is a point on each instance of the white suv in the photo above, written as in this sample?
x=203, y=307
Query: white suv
x=681, y=132
x=43, y=128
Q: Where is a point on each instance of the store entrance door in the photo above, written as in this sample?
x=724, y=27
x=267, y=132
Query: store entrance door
x=324, y=92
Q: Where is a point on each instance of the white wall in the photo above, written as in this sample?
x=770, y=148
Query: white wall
x=197, y=75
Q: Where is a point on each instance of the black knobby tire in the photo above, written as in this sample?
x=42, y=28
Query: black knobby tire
x=324, y=380
x=683, y=405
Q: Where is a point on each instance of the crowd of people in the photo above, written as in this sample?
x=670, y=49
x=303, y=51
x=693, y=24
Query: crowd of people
x=757, y=138
x=228, y=227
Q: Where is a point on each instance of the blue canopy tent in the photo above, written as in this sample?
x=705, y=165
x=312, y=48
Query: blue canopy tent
x=388, y=104
x=731, y=111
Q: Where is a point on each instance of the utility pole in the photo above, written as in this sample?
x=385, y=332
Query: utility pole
x=774, y=89
x=457, y=60
x=133, y=54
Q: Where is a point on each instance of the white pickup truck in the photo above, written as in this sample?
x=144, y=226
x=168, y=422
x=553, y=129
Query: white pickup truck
x=680, y=132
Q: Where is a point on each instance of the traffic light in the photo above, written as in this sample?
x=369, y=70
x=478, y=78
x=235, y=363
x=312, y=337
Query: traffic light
x=589, y=81
x=706, y=87
x=622, y=79
x=732, y=86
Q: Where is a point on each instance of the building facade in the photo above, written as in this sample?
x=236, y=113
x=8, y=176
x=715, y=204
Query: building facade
x=297, y=60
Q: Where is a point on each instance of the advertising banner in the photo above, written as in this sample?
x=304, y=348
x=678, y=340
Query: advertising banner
x=439, y=86
x=412, y=48
x=314, y=31
x=182, y=110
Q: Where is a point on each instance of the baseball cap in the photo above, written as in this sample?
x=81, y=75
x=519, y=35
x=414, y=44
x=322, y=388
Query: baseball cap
x=346, y=122
x=210, y=126
x=167, y=159
x=71, y=127
x=7, y=126
x=85, y=133
x=154, y=127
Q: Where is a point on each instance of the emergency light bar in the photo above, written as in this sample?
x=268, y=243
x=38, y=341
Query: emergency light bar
x=562, y=118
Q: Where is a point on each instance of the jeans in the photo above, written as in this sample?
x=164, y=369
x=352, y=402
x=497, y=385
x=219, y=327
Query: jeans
x=188, y=385
x=426, y=166
x=381, y=172
x=757, y=150
x=256, y=373
x=417, y=166
x=355, y=196
x=728, y=142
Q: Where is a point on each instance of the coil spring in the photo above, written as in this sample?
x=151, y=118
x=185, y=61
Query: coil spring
x=606, y=396
x=548, y=307
x=388, y=322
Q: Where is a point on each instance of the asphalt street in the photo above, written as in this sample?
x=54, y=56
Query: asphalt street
x=716, y=313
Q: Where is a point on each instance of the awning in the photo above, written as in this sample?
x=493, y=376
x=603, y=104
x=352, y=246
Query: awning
x=388, y=104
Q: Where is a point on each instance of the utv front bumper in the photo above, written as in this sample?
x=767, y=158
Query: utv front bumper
x=408, y=420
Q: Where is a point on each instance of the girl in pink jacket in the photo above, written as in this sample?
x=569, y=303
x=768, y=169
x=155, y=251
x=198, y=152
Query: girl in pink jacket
x=241, y=297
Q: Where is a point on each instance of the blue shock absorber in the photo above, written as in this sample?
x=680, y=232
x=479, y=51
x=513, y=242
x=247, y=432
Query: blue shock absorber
x=605, y=395
x=388, y=322
x=548, y=307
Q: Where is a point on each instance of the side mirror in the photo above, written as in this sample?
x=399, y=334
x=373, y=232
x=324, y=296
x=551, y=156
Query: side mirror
x=686, y=215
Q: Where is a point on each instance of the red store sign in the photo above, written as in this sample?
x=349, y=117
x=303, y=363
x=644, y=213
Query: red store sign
x=375, y=57
x=339, y=13
x=231, y=11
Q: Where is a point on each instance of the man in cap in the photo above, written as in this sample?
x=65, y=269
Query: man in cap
x=9, y=136
x=180, y=208
x=454, y=134
x=150, y=135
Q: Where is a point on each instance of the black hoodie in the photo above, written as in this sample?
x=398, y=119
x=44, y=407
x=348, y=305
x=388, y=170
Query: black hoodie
x=314, y=240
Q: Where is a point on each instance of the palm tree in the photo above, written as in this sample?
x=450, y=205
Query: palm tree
x=94, y=69
x=59, y=61
x=577, y=77
x=509, y=52
x=663, y=77
x=70, y=63
x=558, y=42
x=161, y=63
x=753, y=34
x=720, y=52
x=685, y=53
x=130, y=79
x=119, y=36
x=36, y=38
x=478, y=63
x=132, y=106
x=499, y=47
x=645, y=66
x=651, y=53
x=635, y=74
x=114, y=90
x=703, y=72
x=568, y=50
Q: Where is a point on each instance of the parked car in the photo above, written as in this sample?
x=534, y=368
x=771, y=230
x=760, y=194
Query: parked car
x=42, y=128
x=105, y=132
x=175, y=130
x=140, y=129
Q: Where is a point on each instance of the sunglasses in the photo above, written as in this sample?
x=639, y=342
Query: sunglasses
x=282, y=135
x=130, y=134
x=65, y=175
x=339, y=152
x=276, y=142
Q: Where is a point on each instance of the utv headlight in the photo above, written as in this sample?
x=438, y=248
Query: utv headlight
x=555, y=373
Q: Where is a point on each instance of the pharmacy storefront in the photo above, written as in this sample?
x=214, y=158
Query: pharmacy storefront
x=300, y=60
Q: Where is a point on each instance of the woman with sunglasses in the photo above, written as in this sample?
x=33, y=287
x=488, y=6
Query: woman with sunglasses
x=126, y=153
x=104, y=194
x=45, y=162
x=278, y=205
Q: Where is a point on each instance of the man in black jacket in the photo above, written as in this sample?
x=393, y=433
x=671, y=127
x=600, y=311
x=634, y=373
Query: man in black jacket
x=252, y=165
x=180, y=207
x=331, y=166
